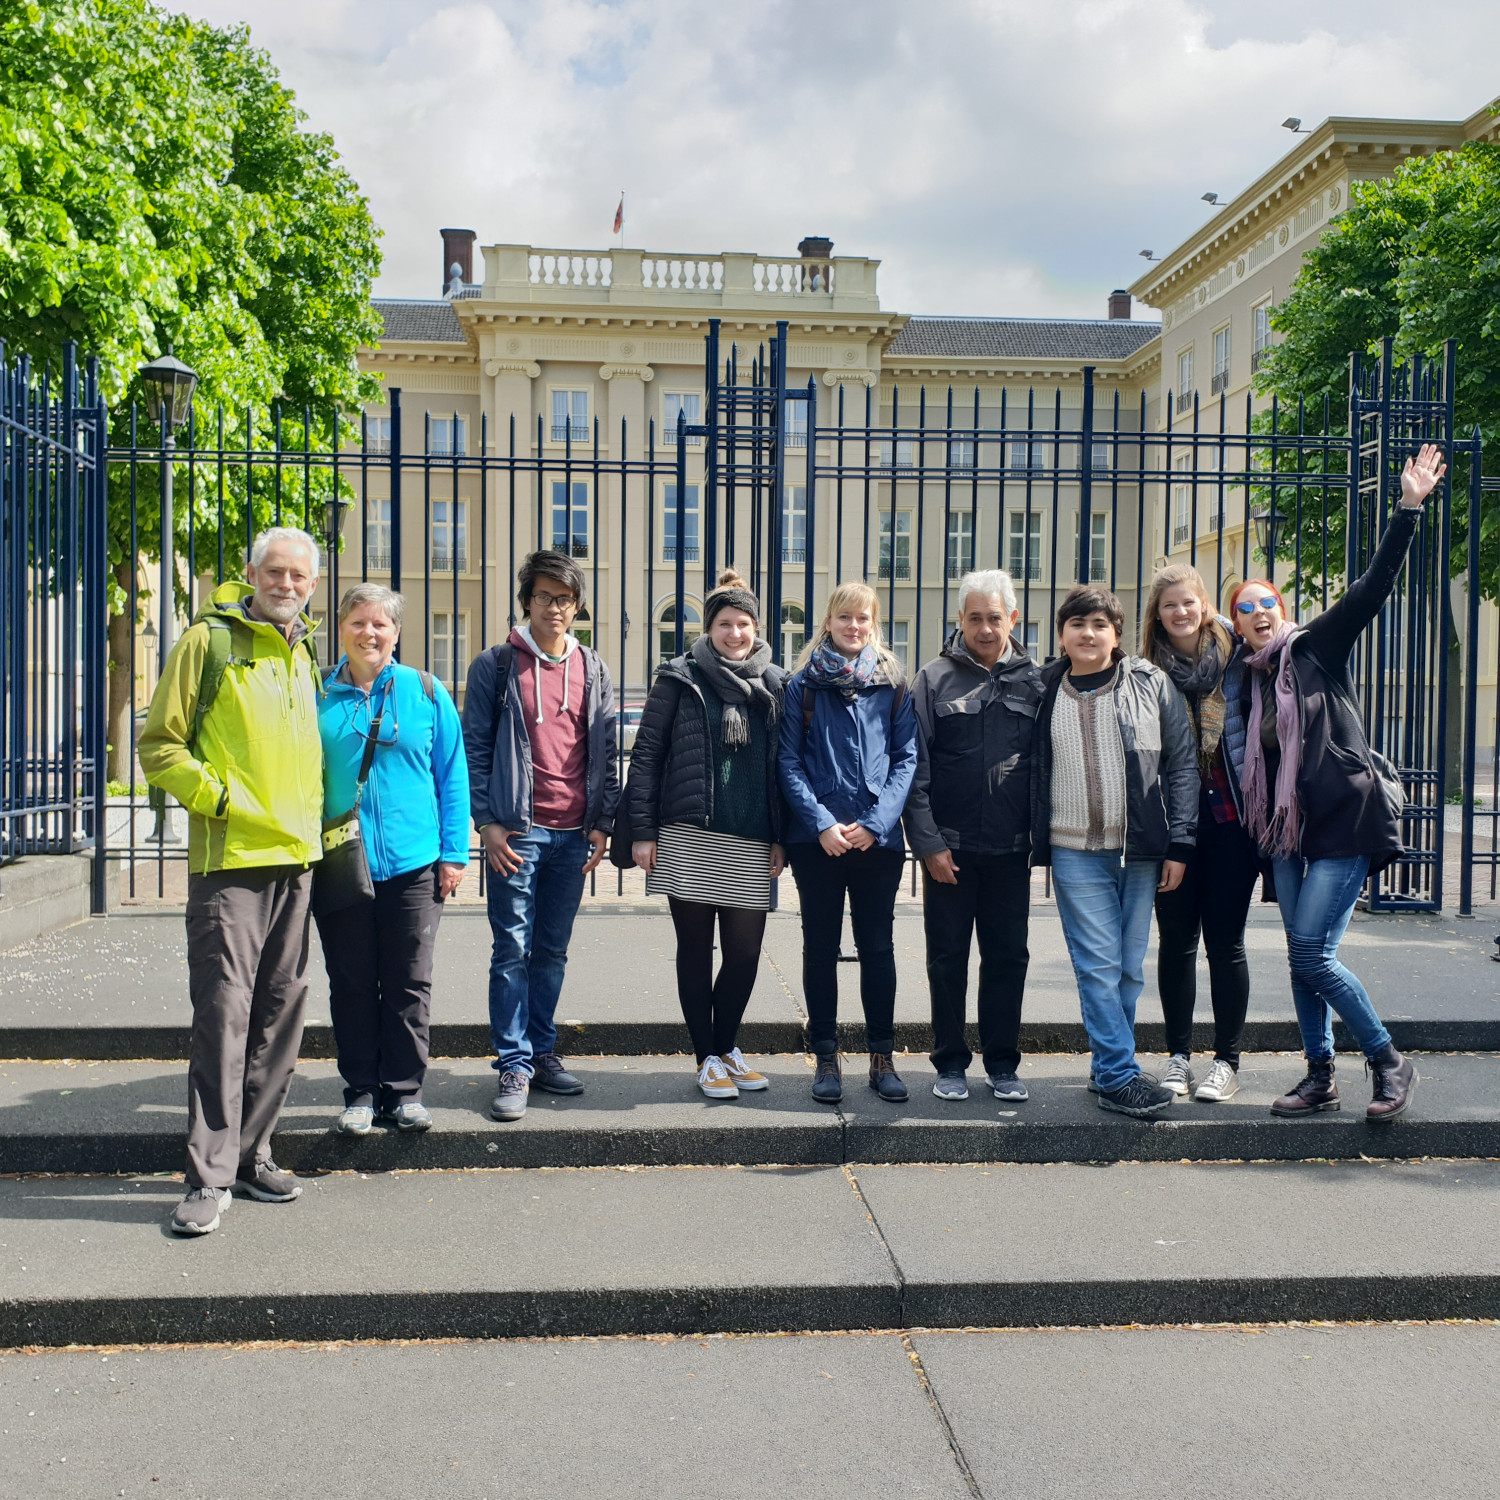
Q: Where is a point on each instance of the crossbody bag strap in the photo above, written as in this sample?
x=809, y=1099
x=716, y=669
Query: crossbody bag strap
x=368, y=759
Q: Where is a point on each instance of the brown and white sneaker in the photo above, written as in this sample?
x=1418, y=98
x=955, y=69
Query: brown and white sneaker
x=714, y=1079
x=746, y=1079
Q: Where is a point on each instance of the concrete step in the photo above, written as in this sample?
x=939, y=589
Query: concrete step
x=993, y=1413
x=765, y=1249
x=130, y=1117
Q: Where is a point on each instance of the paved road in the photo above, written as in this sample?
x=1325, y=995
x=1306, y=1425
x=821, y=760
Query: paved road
x=1238, y=1413
x=130, y=971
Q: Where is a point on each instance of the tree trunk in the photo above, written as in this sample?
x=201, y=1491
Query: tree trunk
x=121, y=687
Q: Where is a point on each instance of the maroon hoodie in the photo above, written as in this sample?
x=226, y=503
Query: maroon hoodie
x=553, y=705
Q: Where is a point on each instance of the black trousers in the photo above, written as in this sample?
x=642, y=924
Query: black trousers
x=379, y=960
x=993, y=894
x=713, y=1008
x=1214, y=901
x=871, y=878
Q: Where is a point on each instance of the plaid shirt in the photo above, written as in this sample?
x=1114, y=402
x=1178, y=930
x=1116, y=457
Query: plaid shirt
x=1217, y=790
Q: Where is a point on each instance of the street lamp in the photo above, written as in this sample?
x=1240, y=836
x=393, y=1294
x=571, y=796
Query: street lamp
x=1265, y=537
x=169, y=385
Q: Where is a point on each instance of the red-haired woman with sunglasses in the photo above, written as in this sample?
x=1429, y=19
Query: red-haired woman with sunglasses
x=1315, y=800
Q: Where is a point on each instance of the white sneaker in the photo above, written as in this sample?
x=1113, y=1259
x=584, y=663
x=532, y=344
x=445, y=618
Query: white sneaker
x=356, y=1120
x=1178, y=1076
x=714, y=1079
x=1222, y=1083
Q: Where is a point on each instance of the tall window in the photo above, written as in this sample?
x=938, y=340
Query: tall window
x=579, y=518
x=903, y=544
x=666, y=630
x=1185, y=380
x=960, y=542
x=1182, y=504
x=450, y=526
x=793, y=632
x=447, y=434
x=961, y=453
x=898, y=455
x=1026, y=454
x=570, y=416
x=900, y=644
x=450, y=655
x=689, y=523
x=1102, y=455
x=1098, y=543
x=1025, y=549
x=1210, y=495
x=688, y=404
x=1260, y=332
x=1221, y=361
x=795, y=423
x=1033, y=631
x=378, y=535
x=377, y=434
x=794, y=524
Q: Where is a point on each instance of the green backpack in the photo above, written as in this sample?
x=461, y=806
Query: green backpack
x=221, y=644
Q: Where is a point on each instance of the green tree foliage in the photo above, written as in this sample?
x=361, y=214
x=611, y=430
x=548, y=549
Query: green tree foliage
x=158, y=189
x=1416, y=258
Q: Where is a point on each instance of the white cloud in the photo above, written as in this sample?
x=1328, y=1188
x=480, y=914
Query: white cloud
x=1000, y=156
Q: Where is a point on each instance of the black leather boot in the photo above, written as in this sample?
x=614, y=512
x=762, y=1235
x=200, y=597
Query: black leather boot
x=1395, y=1083
x=1315, y=1093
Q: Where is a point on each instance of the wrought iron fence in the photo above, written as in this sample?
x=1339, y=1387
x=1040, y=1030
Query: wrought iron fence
x=52, y=608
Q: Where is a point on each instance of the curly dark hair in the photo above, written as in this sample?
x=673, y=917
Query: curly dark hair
x=548, y=564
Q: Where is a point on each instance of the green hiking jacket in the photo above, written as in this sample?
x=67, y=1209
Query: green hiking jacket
x=253, y=784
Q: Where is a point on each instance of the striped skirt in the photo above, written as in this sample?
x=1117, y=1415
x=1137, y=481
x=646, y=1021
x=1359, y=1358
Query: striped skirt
x=716, y=869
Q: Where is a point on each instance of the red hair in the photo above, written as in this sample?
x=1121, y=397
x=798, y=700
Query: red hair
x=1258, y=583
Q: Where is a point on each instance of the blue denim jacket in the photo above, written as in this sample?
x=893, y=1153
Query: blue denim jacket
x=854, y=763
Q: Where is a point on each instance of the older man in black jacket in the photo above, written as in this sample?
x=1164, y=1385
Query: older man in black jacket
x=968, y=817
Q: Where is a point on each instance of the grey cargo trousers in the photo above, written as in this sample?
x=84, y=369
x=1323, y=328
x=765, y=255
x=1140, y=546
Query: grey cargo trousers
x=247, y=935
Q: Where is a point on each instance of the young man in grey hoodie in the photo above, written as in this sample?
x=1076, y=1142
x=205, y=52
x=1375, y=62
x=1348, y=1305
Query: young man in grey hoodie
x=969, y=820
x=539, y=732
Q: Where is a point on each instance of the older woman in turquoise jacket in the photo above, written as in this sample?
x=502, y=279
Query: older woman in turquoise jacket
x=847, y=758
x=414, y=818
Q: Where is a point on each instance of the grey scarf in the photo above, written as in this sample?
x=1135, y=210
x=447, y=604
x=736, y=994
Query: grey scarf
x=738, y=684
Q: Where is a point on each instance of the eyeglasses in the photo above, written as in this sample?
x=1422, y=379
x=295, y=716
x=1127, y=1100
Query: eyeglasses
x=562, y=601
x=1267, y=602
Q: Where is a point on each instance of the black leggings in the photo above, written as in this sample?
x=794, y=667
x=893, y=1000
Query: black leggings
x=713, y=1008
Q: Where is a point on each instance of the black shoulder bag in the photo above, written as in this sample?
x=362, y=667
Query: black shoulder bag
x=341, y=879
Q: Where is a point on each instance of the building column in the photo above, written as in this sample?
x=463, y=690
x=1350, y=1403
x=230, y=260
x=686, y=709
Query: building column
x=628, y=656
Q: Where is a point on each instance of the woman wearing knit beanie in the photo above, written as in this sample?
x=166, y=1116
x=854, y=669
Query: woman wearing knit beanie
x=848, y=755
x=706, y=820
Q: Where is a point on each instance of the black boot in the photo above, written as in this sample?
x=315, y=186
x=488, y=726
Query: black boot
x=1395, y=1083
x=1316, y=1092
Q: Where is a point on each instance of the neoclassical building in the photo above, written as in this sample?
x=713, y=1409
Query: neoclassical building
x=534, y=350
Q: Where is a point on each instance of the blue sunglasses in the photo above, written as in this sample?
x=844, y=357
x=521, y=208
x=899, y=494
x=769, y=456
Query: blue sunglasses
x=1266, y=602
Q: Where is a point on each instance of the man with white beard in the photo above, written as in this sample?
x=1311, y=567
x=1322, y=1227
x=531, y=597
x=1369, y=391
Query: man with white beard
x=232, y=734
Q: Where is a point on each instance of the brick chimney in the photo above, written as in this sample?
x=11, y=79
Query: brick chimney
x=1119, y=304
x=815, y=247
x=458, y=250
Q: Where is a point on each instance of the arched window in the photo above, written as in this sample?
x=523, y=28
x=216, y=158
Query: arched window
x=666, y=629
x=793, y=632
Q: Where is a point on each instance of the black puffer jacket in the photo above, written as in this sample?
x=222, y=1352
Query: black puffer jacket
x=1344, y=808
x=671, y=763
x=1161, y=763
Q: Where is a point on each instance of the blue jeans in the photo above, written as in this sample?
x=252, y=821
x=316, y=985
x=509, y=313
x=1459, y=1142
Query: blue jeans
x=531, y=916
x=1316, y=902
x=1105, y=905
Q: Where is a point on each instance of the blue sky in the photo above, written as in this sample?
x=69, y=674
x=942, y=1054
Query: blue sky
x=999, y=156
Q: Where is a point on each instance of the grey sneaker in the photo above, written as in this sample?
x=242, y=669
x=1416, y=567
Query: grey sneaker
x=1138, y=1099
x=951, y=1086
x=1094, y=1082
x=1179, y=1075
x=410, y=1114
x=1222, y=1083
x=510, y=1101
x=551, y=1077
x=266, y=1181
x=199, y=1211
x=1008, y=1086
x=356, y=1120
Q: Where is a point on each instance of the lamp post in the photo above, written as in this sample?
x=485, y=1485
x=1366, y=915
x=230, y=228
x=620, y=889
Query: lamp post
x=169, y=385
x=1265, y=538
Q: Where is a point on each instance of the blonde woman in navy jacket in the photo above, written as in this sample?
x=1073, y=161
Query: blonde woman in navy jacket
x=414, y=817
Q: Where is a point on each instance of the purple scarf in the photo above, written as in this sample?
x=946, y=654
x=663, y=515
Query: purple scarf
x=1277, y=829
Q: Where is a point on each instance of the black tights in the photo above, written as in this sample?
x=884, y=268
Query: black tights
x=713, y=1008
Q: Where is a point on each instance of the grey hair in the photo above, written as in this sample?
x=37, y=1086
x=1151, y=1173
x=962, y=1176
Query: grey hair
x=989, y=581
x=261, y=545
x=376, y=594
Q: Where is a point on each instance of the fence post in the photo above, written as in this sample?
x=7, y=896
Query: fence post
x=1471, y=680
x=1086, y=480
x=810, y=516
x=777, y=558
x=96, y=653
x=711, y=457
x=395, y=488
x=681, y=547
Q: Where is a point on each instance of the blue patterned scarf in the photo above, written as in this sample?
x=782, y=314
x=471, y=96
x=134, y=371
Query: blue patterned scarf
x=829, y=670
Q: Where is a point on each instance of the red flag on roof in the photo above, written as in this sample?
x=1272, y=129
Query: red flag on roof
x=620, y=214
